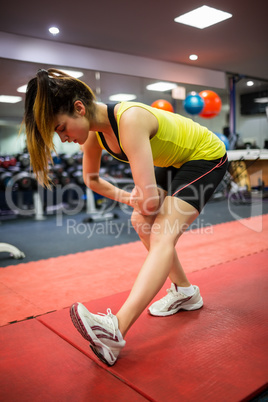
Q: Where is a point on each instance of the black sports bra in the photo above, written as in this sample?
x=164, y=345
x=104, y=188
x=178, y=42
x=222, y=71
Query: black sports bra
x=122, y=156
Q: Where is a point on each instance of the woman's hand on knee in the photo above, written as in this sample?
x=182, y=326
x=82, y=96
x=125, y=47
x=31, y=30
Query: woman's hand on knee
x=134, y=199
x=142, y=224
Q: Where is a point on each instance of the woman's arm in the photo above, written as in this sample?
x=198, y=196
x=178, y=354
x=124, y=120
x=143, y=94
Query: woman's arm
x=136, y=127
x=91, y=166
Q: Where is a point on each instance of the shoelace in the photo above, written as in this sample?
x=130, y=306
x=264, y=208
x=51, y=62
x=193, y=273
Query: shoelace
x=170, y=293
x=108, y=319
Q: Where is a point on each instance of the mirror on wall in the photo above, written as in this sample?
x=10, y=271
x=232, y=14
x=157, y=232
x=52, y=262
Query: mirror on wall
x=15, y=74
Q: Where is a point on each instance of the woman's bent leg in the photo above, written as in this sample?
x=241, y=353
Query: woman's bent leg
x=143, y=224
x=173, y=219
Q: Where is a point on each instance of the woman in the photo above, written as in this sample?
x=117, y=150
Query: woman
x=190, y=163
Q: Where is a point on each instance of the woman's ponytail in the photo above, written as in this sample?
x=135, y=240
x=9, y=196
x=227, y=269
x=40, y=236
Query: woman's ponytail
x=39, y=125
x=49, y=93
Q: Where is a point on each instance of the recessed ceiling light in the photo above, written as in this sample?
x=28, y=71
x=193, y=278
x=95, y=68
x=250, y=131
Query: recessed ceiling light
x=203, y=17
x=161, y=86
x=54, y=30
x=122, y=97
x=193, y=57
x=10, y=99
x=250, y=83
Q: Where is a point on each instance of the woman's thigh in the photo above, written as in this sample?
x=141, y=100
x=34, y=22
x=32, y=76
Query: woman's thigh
x=173, y=219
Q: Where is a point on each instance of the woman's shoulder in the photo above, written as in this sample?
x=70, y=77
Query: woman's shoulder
x=136, y=110
x=137, y=117
x=123, y=106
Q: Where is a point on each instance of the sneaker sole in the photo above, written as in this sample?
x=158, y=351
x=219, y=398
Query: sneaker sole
x=100, y=356
x=189, y=307
x=79, y=325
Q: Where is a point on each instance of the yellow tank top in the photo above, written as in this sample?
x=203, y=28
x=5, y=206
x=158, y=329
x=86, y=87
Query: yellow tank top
x=178, y=139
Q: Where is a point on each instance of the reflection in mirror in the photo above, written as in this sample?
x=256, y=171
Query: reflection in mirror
x=15, y=74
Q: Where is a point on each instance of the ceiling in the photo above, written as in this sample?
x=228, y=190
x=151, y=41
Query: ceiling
x=141, y=28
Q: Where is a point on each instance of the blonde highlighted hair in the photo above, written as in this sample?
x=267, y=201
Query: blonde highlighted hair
x=49, y=93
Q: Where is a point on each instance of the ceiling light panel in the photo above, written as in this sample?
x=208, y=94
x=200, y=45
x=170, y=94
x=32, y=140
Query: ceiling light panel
x=72, y=73
x=161, y=86
x=10, y=99
x=261, y=100
x=122, y=97
x=203, y=17
x=22, y=89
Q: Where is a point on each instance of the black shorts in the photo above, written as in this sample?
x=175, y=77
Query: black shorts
x=194, y=182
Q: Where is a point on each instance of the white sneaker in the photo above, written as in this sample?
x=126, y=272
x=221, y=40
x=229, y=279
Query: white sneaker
x=102, y=332
x=175, y=301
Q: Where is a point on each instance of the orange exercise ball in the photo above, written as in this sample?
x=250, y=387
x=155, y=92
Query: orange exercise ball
x=212, y=104
x=163, y=104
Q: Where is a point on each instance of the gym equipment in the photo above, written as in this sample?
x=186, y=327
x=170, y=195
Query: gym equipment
x=94, y=215
x=14, y=251
x=24, y=160
x=24, y=184
x=212, y=104
x=8, y=161
x=78, y=158
x=21, y=195
x=193, y=103
x=67, y=160
x=54, y=178
x=76, y=175
x=5, y=177
x=118, y=174
x=163, y=104
x=60, y=175
x=224, y=139
x=25, y=181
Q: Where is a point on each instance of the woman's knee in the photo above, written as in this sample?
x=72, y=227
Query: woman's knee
x=161, y=242
x=142, y=224
x=166, y=231
x=160, y=239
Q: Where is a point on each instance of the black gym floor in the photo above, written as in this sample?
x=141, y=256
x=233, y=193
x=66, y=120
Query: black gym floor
x=68, y=234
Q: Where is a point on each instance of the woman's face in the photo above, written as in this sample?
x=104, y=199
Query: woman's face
x=72, y=128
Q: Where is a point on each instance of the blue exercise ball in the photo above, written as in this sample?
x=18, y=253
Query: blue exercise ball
x=224, y=139
x=193, y=103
